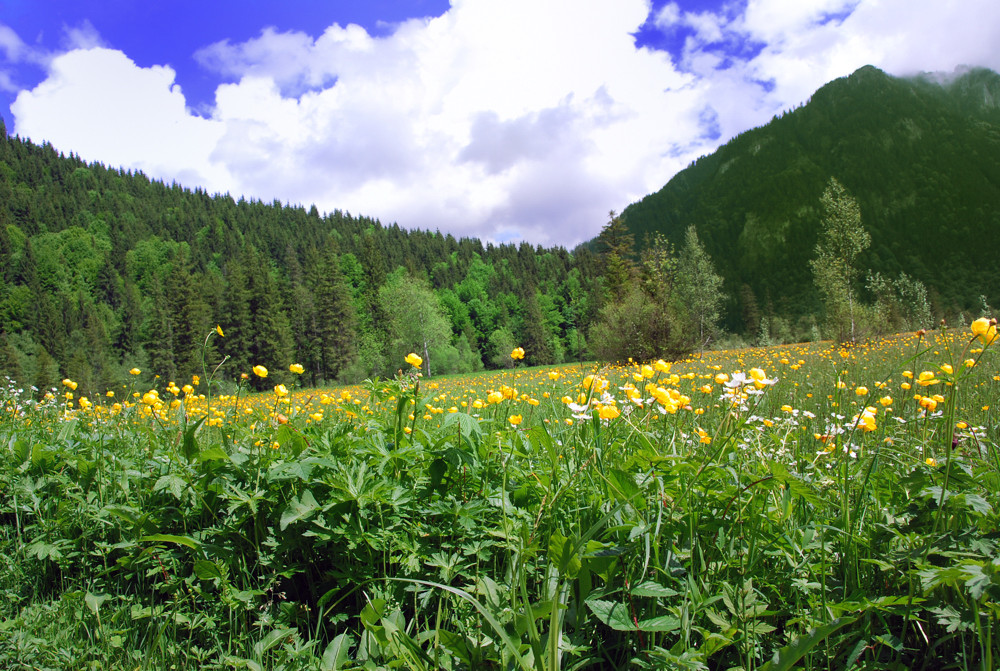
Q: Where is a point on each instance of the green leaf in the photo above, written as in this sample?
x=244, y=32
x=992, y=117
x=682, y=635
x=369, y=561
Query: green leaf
x=541, y=440
x=624, y=488
x=186, y=541
x=467, y=424
x=189, y=446
x=214, y=453
x=337, y=653
x=174, y=484
x=788, y=656
x=650, y=588
x=275, y=637
x=563, y=555
x=205, y=569
x=615, y=615
x=662, y=623
x=94, y=601
x=298, y=509
x=291, y=439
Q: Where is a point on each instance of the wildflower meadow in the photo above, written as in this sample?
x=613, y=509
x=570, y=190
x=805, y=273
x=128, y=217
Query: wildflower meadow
x=808, y=506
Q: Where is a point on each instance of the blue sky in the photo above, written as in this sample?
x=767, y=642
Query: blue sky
x=501, y=119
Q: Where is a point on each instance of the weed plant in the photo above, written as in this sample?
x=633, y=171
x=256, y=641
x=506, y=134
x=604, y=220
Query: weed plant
x=814, y=506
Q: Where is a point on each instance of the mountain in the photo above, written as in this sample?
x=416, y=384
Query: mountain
x=921, y=156
x=104, y=270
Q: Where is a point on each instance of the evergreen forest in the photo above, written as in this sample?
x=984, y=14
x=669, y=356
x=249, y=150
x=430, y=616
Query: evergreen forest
x=105, y=270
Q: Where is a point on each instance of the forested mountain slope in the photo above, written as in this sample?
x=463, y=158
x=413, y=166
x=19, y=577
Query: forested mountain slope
x=921, y=156
x=103, y=270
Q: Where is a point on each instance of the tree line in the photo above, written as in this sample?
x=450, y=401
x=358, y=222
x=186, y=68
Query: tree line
x=106, y=270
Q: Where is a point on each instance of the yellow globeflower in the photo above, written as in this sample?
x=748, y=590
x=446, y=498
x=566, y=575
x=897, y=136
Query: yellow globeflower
x=69, y=383
x=861, y=391
x=886, y=401
x=218, y=329
x=608, y=412
x=297, y=368
x=135, y=371
x=260, y=371
x=414, y=360
x=281, y=390
x=515, y=419
x=517, y=353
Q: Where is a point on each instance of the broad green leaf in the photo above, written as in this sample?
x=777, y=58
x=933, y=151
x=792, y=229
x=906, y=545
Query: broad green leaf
x=298, y=509
x=615, y=615
x=172, y=483
x=275, y=637
x=205, y=569
x=788, y=656
x=186, y=541
x=564, y=556
x=94, y=601
x=189, y=446
x=650, y=588
x=337, y=653
x=291, y=439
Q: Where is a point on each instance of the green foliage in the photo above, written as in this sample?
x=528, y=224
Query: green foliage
x=134, y=271
x=842, y=238
x=918, y=157
x=376, y=541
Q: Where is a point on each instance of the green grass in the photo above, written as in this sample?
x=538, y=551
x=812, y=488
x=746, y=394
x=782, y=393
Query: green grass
x=144, y=540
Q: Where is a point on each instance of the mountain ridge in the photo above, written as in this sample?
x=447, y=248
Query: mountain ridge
x=917, y=154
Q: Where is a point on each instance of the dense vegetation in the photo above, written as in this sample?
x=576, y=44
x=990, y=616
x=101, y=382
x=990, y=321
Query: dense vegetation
x=810, y=507
x=920, y=157
x=103, y=270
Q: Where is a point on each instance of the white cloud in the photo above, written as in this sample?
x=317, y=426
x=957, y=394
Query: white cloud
x=100, y=105
x=499, y=119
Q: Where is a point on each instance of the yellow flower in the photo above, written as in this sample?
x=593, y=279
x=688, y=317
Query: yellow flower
x=297, y=368
x=414, y=360
x=931, y=461
x=84, y=403
x=260, y=371
x=886, y=401
x=515, y=419
x=69, y=383
x=608, y=412
x=861, y=391
x=661, y=366
x=135, y=371
x=980, y=327
x=281, y=390
x=947, y=369
x=218, y=329
x=517, y=353
x=553, y=375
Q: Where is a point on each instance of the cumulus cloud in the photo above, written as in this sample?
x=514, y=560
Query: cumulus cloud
x=503, y=120
x=100, y=105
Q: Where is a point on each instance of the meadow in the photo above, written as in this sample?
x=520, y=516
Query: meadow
x=811, y=506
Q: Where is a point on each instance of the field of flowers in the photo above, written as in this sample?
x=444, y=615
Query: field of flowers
x=812, y=506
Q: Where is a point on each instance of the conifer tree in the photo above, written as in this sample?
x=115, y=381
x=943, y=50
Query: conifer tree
x=842, y=238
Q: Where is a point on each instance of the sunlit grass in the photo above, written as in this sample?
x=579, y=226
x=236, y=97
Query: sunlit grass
x=700, y=513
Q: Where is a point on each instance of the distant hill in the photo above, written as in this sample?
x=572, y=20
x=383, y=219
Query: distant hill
x=921, y=156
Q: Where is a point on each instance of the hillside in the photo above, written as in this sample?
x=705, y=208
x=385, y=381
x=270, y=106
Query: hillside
x=920, y=156
x=103, y=270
